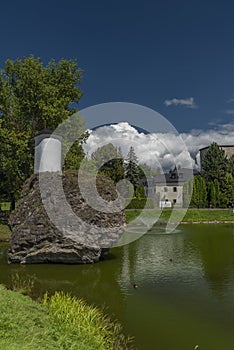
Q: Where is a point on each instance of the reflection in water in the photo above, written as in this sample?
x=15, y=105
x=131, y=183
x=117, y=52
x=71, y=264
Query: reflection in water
x=185, y=293
x=203, y=252
x=96, y=283
x=216, y=248
x=159, y=259
x=175, y=274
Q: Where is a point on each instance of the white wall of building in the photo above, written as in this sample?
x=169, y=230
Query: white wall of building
x=171, y=193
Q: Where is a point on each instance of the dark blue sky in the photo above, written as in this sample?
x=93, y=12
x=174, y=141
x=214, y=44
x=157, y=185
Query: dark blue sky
x=142, y=52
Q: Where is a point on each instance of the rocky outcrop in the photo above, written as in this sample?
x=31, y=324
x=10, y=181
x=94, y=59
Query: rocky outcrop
x=54, y=224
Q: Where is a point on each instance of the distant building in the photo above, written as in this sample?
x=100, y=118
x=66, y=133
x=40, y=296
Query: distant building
x=228, y=150
x=167, y=189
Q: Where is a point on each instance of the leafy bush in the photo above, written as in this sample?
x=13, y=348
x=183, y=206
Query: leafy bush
x=141, y=192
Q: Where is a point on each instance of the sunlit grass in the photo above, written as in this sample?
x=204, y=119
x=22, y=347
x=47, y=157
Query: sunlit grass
x=209, y=215
x=60, y=322
x=192, y=215
x=83, y=324
x=5, y=205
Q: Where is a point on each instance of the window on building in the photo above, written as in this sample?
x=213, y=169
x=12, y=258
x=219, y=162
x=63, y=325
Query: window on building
x=174, y=201
x=174, y=189
x=165, y=189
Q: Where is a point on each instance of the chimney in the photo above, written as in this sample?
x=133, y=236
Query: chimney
x=47, y=154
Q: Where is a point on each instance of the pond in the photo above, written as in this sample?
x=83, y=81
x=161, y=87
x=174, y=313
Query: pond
x=185, y=294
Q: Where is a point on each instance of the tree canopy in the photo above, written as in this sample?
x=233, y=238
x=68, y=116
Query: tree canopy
x=14, y=162
x=109, y=162
x=215, y=164
x=33, y=96
x=231, y=165
x=227, y=196
x=133, y=172
x=199, y=194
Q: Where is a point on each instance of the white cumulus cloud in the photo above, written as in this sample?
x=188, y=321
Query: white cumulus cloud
x=186, y=102
x=160, y=150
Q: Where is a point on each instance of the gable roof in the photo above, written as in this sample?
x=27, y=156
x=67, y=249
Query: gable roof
x=176, y=177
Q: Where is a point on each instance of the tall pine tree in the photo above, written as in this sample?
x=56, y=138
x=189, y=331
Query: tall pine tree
x=132, y=169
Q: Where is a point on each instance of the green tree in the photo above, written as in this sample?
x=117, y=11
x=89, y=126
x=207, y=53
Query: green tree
x=34, y=97
x=214, y=194
x=109, y=162
x=215, y=164
x=74, y=156
x=187, y=193
x=73, y=129
x=217, y=192
x=199, y=196
x=227, y=197
x=14, y=163
x=231, y=165
x=141, y=192
x=132, y=169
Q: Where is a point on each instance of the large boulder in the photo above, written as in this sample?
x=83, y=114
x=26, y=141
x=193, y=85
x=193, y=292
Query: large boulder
x=54, y=224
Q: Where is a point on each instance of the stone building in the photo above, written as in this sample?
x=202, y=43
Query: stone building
x=167, y=189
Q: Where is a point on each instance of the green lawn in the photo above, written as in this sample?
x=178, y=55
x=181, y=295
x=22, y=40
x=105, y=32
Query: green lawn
x=209, y=215
x=192, y=215
x=5, y=233
x=61, y=322
x=5, y=205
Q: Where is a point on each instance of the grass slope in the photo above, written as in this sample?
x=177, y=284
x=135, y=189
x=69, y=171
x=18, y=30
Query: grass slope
x=61, y=322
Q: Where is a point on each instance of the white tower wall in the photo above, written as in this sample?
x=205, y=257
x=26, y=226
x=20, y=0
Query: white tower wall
x=47, y=154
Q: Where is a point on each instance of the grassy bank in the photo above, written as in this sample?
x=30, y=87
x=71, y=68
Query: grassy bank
x=201, y=215
x=191, y=215
x=60, y=322
x=5, y=205
x=5, y=233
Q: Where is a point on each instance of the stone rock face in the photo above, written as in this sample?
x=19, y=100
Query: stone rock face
x=54, y=224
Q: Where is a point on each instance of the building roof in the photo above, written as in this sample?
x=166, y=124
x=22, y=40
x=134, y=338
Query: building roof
x=177, y=177
x=201, y=149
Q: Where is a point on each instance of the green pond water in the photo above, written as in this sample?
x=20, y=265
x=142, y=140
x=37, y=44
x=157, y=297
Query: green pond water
x=185, y=294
